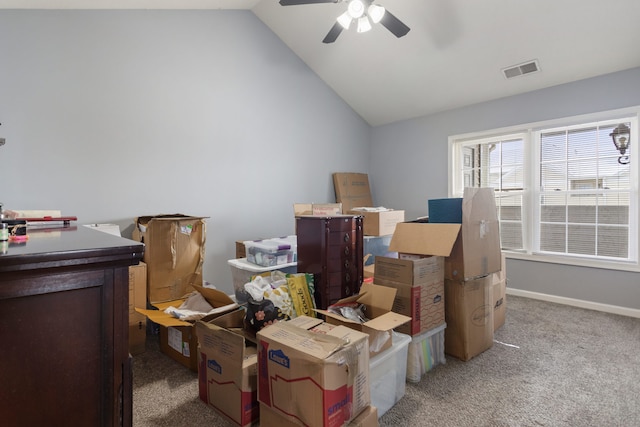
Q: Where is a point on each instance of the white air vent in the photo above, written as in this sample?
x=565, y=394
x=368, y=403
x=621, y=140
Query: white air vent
x=521, y=69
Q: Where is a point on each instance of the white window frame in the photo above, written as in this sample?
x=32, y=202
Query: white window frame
x=529, y=133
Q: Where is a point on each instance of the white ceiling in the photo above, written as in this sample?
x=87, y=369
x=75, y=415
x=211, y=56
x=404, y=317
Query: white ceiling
x=453, y=55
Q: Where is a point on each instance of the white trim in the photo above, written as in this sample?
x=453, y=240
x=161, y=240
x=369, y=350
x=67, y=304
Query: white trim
x=590, y=305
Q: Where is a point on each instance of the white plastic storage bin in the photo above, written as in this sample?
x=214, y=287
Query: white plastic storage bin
x=388, y=371
x=425, y=351
x=242, y=271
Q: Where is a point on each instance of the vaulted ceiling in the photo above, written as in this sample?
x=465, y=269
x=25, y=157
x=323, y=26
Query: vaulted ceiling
x=454, y=54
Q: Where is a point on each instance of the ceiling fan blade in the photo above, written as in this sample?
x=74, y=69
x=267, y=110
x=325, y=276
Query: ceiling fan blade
x=393, y=24
x=333, y=33
x=297, y=2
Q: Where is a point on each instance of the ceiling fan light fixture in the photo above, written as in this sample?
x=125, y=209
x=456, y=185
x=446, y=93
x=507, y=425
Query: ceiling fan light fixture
x=345, y=20
x=376, y=13
x=363, y=24
x=355, y=8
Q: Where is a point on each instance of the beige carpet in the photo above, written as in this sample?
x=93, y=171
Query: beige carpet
x=551, y=365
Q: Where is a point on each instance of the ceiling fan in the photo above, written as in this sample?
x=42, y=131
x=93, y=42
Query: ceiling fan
x=363, y=12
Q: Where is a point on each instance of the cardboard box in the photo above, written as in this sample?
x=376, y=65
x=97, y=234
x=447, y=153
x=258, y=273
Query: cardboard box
x=317, y=209
x=137, y=298
x=174, y=253
x=241, y=251
x=377, y=302
x=499, y=284
x=352, y=190
x=469, y=317
x=316, y=378
x=420, y=290
x=178, y=339
x=475, y=251
x=227, y=369
x=379, y=223
x=270, y=418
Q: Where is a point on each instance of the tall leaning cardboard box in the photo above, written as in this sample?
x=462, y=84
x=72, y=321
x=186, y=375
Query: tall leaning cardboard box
x=174, y=253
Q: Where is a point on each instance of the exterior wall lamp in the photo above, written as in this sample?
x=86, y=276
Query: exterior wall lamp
x=621, y=139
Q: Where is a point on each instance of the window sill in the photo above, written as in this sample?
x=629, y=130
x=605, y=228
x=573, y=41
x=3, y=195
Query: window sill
x=572, y=261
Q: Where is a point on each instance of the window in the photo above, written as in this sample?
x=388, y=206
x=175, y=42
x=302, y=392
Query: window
x=561, y=194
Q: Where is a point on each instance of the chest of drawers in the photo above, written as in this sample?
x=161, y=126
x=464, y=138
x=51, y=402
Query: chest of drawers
x=331, y=248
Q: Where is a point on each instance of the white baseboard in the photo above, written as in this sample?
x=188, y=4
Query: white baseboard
x=624, y=311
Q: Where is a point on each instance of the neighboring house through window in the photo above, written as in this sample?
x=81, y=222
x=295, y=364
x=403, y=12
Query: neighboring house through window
x=561, y=194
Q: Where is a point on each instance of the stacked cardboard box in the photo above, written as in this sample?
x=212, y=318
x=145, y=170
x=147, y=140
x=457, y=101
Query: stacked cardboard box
x=471, y=252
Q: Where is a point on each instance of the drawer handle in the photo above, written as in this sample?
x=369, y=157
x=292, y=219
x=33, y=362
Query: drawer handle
x=347, y=237
x=347, y=291
x=347, y=250
x=347, y=264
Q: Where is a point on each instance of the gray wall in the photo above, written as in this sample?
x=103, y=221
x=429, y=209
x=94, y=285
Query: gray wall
x=112, y=115
x=411, y=155
x=109, y=115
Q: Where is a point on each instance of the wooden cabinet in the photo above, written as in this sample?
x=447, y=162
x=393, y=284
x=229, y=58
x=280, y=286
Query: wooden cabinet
x=64, y=329
x=332, y=249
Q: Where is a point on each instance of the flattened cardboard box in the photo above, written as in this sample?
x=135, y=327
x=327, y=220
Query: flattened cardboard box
x=378, y=302
x=352, y=190
x=469, y=317
x=227, y=368
x=315, y=378
x=174, y=253
x=420, y=290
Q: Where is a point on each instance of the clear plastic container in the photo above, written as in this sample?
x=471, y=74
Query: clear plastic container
x=269, y=252
x=387, y=373
x=425, y=352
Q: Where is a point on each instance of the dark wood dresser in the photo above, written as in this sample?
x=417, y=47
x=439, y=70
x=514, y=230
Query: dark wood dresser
x=64, y=358
x=332, y=249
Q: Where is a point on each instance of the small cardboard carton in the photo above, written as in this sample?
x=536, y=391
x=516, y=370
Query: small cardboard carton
x=379, y=222
x=420, y=290
x=137, y=298
x=352, y=190
x=378, y=303
x=178, y=338
x=174, y=253
x=227, y=368
x=469, y=317
x=313, y=373
x=317, y=209
x=499, y=284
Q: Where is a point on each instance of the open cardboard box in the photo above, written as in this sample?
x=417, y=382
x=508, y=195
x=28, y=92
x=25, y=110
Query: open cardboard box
x=312, y=373
x=378, y=302
x=227, y=369
x=475, y=251
x=177, y=337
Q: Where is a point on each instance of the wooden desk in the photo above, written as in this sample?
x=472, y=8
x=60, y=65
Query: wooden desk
x=64, y=357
